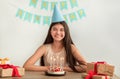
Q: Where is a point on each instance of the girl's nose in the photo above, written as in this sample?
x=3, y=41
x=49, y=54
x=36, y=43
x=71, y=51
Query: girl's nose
x=58, y=32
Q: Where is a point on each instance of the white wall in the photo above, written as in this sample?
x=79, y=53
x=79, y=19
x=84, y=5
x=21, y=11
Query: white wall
x=97, y=36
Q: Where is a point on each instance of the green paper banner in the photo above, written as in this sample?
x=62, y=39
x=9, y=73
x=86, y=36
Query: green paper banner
x=66, y=18
x=46, y=20
x=33, y=3
x=20, y=13
x=81, y=13
x=37, y=19
x=63, y=5
x=48, y=6
x=28, y=16
x=52, y=5
x=72, y=17
x=44, y=5
x=73, y=3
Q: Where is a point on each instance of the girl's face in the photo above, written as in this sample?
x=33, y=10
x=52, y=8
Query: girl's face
x=57, y=32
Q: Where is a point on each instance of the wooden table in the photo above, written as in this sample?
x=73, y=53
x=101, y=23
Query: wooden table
x=41, y=75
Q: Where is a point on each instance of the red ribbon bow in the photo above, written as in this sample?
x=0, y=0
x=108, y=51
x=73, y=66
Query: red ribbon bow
x=92, y=73
x=15, y=72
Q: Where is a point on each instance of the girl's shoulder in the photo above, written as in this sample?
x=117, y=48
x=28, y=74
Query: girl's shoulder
x=73, y=47
x=47, y=45
x=44, y=47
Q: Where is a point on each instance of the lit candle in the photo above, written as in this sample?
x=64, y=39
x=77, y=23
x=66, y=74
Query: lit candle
x=54, y=62
x=57, y=61
x=61, y=63
x=51, y=63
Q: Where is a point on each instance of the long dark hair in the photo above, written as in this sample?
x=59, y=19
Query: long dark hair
x=67, y=41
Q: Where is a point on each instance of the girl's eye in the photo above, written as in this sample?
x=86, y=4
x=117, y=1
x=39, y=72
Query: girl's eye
x=61, y=29
x=54, y=29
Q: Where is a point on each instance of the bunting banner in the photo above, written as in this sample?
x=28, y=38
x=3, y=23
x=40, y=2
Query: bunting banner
x=24, y=15
x=70, y=9
x=73, y=3
x=63, y=5
x=72, y=17
x=33, y=3
x=45, y=4
x=37, y=19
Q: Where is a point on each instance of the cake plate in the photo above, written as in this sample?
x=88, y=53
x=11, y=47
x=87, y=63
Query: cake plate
x=50, y=73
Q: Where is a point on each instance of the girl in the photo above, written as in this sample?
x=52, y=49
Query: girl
x=59, y=43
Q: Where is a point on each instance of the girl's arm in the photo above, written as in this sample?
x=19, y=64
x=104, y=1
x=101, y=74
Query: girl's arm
x=80, y=68
x=30, y=63
x=82, y=64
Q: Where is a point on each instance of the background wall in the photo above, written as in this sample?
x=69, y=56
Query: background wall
x=96, y=36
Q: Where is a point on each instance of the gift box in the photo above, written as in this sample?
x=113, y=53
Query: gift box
x=4, y=61
x=101, y=68
x=96, y=76
x=101, y=77
x=11, y=71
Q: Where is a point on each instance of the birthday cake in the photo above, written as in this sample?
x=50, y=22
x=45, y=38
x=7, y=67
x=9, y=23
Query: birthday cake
x=56, y=71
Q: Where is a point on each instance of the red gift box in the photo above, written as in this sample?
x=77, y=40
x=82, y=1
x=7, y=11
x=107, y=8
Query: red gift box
x=100, y=68
x=7, y=70
x=96, y=76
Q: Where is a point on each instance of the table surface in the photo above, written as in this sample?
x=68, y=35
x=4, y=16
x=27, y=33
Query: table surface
x=41, y=75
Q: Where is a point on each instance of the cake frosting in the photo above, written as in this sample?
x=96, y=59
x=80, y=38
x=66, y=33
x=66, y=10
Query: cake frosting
x=56, y=73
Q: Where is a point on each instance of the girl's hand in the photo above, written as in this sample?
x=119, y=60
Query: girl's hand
x=47, y=68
